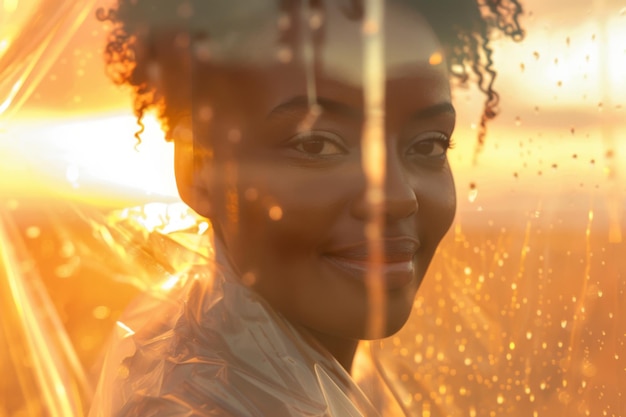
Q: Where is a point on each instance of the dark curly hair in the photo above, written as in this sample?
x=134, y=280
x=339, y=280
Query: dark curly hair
x=464, y=28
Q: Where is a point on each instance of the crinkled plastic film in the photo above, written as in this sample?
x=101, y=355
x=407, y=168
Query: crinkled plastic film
x=205, y=344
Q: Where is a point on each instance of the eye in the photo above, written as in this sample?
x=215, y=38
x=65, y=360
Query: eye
x=433, y=145
x=318, y=143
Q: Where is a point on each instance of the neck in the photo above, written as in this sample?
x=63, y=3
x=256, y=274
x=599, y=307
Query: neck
x=342, y=349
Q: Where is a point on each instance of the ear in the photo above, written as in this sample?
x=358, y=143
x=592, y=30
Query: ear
x=191, y=188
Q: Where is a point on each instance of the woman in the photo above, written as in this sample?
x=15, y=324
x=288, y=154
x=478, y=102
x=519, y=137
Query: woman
x=267, y=102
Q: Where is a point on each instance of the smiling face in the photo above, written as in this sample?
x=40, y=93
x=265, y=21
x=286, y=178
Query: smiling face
x=285, y=187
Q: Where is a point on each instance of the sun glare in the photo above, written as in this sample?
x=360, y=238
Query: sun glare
x=10, y=5
x=97, y=155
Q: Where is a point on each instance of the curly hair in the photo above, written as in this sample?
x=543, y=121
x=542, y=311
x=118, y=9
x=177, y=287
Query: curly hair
x=464, y=28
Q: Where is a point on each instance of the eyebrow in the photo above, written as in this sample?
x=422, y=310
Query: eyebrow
x=434, y=110
x=300, y=104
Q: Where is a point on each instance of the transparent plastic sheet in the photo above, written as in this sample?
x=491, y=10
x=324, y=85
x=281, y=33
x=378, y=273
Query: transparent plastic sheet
x=32, y=35
x=201, y=343
x=521, y=312
x=42, y=373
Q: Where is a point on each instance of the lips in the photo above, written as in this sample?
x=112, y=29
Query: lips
x=396, y=266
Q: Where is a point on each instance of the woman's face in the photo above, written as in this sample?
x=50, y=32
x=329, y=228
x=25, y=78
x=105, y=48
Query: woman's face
x=286, y=188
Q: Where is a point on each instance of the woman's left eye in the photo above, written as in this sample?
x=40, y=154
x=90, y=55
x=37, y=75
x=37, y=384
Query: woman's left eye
x=433, y=146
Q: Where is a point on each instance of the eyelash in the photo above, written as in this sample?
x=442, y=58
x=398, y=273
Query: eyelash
x=307, y=137
x=432, y=137
x=324, y=137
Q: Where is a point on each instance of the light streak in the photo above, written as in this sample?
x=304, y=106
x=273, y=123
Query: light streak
x=47, y=348
x=374, y=158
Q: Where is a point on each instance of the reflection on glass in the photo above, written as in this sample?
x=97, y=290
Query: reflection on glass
x=520, y=312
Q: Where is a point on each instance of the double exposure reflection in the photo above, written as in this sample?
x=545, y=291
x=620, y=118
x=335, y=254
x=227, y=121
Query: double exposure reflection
x=311, y=143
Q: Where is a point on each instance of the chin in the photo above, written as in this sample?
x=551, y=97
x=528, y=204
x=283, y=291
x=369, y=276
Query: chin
x=398, y=313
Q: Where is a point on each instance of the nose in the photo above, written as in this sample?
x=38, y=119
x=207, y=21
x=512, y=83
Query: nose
x=399, y=199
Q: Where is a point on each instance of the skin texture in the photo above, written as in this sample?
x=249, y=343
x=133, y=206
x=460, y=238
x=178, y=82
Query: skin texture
x=286, y=201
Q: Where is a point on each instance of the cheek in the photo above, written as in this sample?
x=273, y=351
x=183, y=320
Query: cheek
x=286, y=212
x=437, y=205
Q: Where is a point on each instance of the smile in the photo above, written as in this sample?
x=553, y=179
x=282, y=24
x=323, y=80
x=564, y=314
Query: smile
x=396, y=267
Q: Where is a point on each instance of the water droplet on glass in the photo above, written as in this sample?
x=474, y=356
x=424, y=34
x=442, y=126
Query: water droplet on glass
x=182, y=40
x=276, y=213
x=284, y=22
x=435, y=59
x=67, y=249
x=64, y=271
x=316, y=20
x=284, y=54
x=33, y=232
x=370, y=27
x=251, y=194
x=205, y=113
x=473, y=193
x=202, y=50
x=234, y=136
x=101, y=312
x=248, y=279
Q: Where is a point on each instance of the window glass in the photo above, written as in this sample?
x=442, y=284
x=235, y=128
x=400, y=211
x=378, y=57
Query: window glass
x=521, y=312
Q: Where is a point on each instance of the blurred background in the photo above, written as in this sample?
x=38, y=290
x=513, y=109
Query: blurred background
x=523, y=310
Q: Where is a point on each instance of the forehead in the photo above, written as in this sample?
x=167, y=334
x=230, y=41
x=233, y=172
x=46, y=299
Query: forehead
x=263, y=33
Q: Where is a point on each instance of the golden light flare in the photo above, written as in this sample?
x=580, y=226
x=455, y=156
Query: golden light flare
x=10, y=6
x=95, y=156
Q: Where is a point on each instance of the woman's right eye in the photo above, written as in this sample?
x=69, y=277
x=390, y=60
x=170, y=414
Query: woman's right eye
x=318, y=144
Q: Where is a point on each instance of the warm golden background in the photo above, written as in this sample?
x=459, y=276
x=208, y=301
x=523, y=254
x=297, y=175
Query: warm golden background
x=523, y=312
